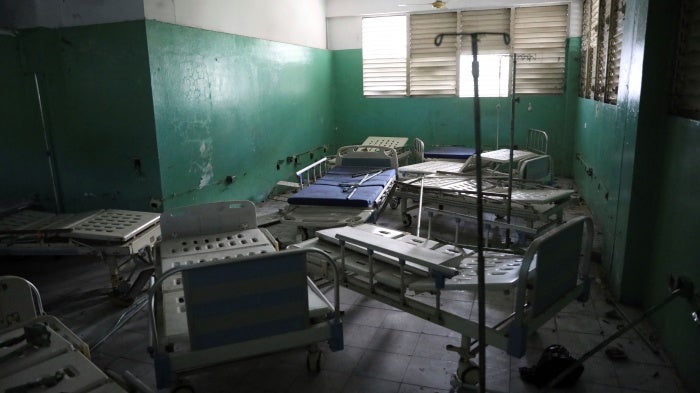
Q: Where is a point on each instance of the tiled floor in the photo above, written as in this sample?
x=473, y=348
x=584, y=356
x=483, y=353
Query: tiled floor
x=386, y=350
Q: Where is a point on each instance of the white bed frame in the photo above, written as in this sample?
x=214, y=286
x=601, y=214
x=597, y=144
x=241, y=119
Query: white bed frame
x=213, y=265
x=393, y=267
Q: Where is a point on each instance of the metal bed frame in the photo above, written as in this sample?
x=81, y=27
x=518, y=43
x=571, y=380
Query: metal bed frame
x=38, y=351
x=224, y=292
x=412, y=273
x=540, y=207
x=308, y=218
x=115, y=236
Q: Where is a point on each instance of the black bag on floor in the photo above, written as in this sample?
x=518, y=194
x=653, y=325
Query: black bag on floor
x=553, y=361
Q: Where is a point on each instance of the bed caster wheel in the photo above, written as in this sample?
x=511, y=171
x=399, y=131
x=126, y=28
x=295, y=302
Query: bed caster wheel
x=406, y=219
x=394, y=203
x=313, y=361
x=469, y=376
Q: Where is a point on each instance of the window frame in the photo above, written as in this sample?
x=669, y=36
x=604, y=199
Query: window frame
x=418, y=69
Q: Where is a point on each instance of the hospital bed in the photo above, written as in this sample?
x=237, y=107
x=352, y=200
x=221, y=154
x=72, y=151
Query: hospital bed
x=351, y=192
x=413, y=274
x=38, y=353
x=117, y=237
x=398, y=143
x=539, y=207
x=531, y=163
x=447, y=153
x=224, y=292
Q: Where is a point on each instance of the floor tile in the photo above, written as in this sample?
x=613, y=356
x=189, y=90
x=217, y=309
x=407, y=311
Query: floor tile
x=383, y=365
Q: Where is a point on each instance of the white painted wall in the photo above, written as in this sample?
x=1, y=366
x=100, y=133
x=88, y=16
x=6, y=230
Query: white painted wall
x=21, y=14
x=344, y=17
x=300, y=22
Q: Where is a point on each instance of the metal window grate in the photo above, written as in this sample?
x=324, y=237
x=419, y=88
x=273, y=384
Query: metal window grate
x=685, y=100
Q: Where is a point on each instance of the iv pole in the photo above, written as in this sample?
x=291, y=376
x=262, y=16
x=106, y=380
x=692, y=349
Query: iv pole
x=479, y=197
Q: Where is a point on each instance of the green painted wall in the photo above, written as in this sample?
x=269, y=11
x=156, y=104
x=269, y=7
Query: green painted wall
x=228, y=105
x=646, y=162
x=447, y=120
x=675, y=244
x=22, y=149
x=95, y=90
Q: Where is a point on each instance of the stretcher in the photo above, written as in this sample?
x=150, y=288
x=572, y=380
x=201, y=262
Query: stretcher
x=540, y=207
x=38, y=353
x=224, y=292
x=413, y=274
x=115, y=236
x=351, y=192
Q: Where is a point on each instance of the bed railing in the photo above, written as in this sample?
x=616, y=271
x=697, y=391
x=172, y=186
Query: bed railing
x=310, y=173
x=537, y=141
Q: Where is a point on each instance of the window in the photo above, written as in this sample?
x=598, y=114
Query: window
x=433, y=69
x=685, y=100
x=419, y=68
x=384, y=55
x=493, y=56
x=539, y=42
x=601, y=47
x=493, y=75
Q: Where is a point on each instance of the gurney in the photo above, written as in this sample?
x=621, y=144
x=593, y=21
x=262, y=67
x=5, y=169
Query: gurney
x=540, y=207
x=413, y=274
x=224, y=292
x=115, y=236
x=38, y=353
x=349, y=193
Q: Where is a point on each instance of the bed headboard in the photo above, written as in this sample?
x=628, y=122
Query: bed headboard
x=367, y=156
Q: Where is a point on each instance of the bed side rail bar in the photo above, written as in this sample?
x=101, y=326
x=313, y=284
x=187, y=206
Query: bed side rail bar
x=310, y=173
x=537, y=141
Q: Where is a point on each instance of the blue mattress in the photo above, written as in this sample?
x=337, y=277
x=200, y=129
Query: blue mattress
x=449, y=152
x=341, y=187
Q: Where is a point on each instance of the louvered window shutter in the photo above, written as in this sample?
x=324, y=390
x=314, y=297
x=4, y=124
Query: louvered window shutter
x=539, y=42
x=433, y=69
x=384, y=56
x=612, y=80
x=584, y=79
x=602, y=49
x=486, y=21
x=686, y=81
x=493, y=53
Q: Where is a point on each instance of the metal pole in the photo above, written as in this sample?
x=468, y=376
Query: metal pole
x=49, y=150
x=513, y=101
x=481, y=291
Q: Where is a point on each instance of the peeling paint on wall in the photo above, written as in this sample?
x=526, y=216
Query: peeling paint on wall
x=207, y=175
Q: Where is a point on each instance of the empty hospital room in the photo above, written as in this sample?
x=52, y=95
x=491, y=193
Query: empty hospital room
x=372, y=196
